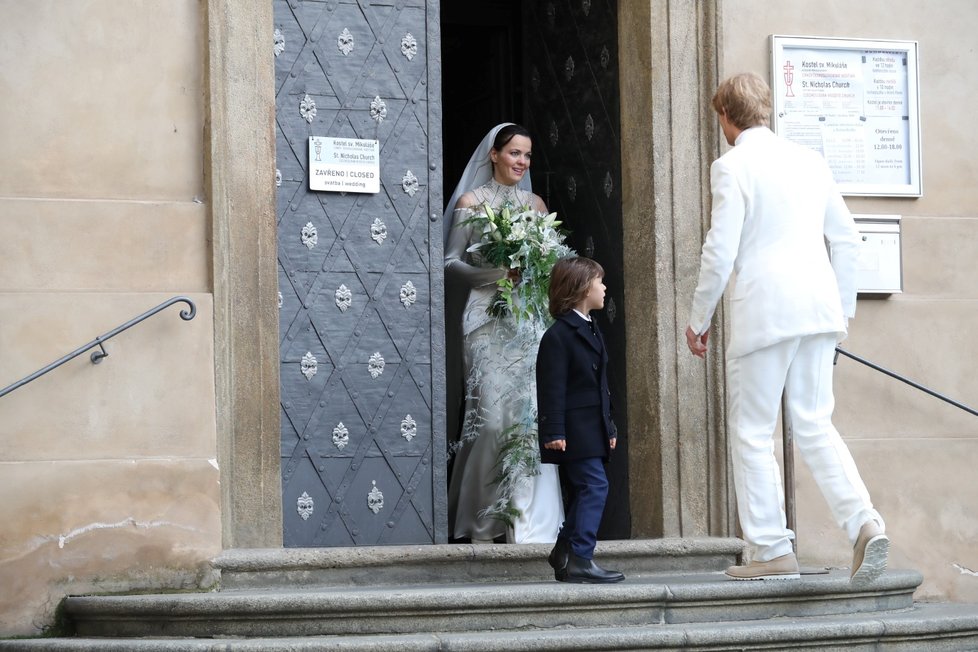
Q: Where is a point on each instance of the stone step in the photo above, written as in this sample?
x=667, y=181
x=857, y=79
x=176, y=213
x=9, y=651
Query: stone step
x=639, y=601
x=924, y=627
x=458, y=563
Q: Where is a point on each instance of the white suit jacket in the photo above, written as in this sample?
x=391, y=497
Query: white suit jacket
x=775, y=206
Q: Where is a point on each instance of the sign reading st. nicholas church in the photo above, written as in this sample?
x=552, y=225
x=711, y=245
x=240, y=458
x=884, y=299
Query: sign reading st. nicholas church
x=344, y=164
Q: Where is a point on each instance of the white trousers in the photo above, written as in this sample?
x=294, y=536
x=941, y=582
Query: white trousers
x=802, y=368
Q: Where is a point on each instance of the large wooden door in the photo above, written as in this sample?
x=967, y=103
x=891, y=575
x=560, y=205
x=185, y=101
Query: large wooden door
x=572, y=108
x=360, y=277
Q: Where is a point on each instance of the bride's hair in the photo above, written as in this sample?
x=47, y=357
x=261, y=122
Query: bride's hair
x=570, y=280
x=506, y=134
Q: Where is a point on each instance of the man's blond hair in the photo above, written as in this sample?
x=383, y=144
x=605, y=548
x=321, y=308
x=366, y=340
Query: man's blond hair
x=745, y=99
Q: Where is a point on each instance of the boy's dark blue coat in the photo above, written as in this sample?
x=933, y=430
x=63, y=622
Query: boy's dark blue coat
x=573, y=397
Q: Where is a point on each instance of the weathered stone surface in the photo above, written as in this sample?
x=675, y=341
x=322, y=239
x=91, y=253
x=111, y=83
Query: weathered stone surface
x=115, y=526
x=457, y=563
x=931, y=627
x=542, y=604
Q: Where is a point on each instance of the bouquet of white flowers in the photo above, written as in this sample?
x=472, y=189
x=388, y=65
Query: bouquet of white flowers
x=526, y=240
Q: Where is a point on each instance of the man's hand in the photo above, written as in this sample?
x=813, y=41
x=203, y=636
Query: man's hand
x=697, y=343
x=556, y=445
x=613, y=442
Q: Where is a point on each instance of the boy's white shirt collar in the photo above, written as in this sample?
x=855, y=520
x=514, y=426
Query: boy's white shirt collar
x=583, y=316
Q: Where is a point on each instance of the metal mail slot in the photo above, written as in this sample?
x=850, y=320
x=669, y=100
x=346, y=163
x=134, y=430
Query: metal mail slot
x=880, y=268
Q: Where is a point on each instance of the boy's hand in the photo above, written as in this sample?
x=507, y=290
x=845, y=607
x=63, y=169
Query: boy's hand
x=556, y=445
x=613, y=442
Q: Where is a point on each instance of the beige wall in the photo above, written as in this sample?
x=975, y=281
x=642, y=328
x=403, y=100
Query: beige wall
x=916, y=454
x=108, y=473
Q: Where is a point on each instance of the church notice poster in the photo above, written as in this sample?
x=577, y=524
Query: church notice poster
x=344, y=164
x=855, y=101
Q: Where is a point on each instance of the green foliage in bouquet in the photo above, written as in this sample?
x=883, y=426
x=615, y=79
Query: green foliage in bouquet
x=519, y=458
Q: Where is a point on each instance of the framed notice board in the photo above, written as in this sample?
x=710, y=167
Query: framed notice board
x=856, y=101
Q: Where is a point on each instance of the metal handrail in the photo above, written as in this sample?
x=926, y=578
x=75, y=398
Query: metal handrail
x=186, y=314
x=893, y=374
x=788, y=439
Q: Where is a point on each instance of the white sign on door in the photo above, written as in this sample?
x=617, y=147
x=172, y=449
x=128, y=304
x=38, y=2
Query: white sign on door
x=344, y=164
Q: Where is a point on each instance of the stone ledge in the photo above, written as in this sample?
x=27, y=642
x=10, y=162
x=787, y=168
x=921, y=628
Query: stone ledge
x=934, y=627
x=458, y=563
x=500, y=606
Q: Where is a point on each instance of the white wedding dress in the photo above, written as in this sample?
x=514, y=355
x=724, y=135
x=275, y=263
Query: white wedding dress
x=499, y=359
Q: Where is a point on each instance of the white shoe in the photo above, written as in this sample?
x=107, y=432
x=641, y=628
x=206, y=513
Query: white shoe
x=784, y=567
x=869, y=554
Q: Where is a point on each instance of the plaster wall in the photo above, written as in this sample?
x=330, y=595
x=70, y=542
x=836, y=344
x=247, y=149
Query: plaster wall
x=916, y=454
x=108, y=473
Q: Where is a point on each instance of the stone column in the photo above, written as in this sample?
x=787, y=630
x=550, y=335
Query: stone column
x=240, y=172
x=668, y=58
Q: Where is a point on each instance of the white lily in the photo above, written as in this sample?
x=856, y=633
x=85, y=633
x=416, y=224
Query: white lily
x=550, y=221
x=521, y=254
x=517, y=233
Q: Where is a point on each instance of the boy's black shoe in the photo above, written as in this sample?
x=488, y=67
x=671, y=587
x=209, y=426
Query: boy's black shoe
x=585, y=571
x=558, y=556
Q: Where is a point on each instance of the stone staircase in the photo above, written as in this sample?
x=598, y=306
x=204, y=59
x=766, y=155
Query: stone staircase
x=486, y=598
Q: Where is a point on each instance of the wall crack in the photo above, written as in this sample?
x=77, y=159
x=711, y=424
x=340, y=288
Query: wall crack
x=965, y=571
x=128, y=522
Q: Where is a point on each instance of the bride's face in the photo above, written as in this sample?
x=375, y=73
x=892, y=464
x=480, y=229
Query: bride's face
x=512, y=161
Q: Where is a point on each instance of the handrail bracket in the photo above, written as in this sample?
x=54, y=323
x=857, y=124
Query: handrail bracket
x=101, y=353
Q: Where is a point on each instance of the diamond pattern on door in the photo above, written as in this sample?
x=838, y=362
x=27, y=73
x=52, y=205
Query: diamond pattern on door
x=355, y=277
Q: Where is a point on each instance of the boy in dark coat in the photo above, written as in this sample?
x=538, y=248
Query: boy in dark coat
x=574, y=414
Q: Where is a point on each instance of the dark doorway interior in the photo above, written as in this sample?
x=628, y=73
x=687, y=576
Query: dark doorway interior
x=481, y=75
x=551, y=66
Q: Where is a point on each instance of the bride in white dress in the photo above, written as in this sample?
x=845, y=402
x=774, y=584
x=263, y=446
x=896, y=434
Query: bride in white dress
x=498, y=357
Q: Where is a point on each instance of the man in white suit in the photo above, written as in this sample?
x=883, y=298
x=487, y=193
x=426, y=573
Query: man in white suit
x=775, y=206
